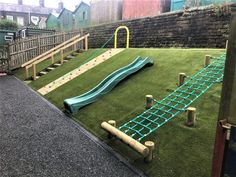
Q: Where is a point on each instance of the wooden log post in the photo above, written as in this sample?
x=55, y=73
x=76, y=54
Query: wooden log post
x=34, y=71
x=62, y=56
x=86, y=43
x=226, y=45
x=191, y=116
x=75, y=47
x=52, y=58
x=112, y=123
x=150, y=145
x=207, y=60
x=149, y=101
x=139, y=147
x=182, y=78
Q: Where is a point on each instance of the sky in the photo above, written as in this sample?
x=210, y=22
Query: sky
x=69, y=4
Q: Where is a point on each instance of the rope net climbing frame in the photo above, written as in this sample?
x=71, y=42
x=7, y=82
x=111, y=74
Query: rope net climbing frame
x=176, y=102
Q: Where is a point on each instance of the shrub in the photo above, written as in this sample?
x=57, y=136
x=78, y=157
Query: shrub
x=8, y=25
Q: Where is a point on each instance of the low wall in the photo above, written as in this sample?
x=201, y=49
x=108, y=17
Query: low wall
x=198, y=27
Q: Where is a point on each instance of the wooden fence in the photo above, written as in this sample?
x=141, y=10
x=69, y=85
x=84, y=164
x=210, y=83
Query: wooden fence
x=23, y=50
x=4, y=58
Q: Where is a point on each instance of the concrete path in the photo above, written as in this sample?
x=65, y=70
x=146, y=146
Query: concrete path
x=36, y=139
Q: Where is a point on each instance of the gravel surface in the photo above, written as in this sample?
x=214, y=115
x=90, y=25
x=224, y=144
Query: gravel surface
x=36, y=139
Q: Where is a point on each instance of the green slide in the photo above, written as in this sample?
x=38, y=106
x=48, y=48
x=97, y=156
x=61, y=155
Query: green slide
x=72, y=105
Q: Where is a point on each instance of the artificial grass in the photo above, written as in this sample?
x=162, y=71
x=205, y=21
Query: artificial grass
x=180, y=150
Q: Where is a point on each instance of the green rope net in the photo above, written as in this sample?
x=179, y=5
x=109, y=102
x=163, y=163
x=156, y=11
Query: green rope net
x=176, y=102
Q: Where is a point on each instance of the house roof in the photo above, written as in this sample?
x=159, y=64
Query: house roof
x=55, y=14
x=52, y=14
x=25, y=8
x=81, y=3
x=64, y=9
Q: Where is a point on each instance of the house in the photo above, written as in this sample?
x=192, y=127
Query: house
x=81, y=16
x=25, y=15
x=105, y=11
x=52, y=21
x=65, y=20
x=181, y=4
x=144, y=8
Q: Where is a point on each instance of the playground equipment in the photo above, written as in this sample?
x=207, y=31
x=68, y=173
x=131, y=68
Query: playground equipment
x=85, y=67
x=73, y=42
x=127, y=36
x=175, y=103
x=73, y=105
x=78, y=71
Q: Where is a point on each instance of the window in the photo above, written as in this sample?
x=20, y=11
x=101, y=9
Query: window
x=9, y=17
x=84, y=15
x=20, y=21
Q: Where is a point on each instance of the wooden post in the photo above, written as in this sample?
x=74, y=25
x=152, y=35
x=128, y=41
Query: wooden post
x=149, y=101
x=52, y=58
x=64, y=37
x=86, y=43
x=34, y=71
x=62, y=56
x=182, y=77
x=112, y=123
x=75, y=47
x=191, y=116
x=224, y=150
x=150, y=145
x=226, y=45
x=39, y=46
x=207, y=60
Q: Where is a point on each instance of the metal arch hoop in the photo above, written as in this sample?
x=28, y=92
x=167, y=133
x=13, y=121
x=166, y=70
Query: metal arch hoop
x=127, y=36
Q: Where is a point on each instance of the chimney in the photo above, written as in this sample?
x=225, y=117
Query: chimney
x=20, y=2
x=60, y=6
x=41, y=3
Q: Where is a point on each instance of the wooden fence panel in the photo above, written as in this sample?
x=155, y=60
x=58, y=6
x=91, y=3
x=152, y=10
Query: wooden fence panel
x=4, y=58
x=23, y=50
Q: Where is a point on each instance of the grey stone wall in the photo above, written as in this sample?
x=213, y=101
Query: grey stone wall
x=198, y=27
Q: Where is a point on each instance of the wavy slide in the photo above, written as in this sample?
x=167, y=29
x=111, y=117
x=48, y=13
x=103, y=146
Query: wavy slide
x=72, y=105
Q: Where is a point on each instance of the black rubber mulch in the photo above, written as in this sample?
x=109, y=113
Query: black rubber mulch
x=36, y=139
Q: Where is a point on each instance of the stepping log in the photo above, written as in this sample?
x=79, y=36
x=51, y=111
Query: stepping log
x=50, y=68
x=42, y=73
x=57, y=64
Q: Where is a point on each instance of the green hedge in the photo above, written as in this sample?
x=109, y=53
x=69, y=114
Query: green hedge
x=8, y=25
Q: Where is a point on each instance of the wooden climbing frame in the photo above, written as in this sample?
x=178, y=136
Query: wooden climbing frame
x=52, y=52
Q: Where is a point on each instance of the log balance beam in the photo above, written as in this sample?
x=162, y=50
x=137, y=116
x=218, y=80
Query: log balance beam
x=145, y=151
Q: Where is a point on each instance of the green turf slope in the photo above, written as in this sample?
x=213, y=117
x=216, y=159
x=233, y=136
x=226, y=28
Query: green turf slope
x=180, y=151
